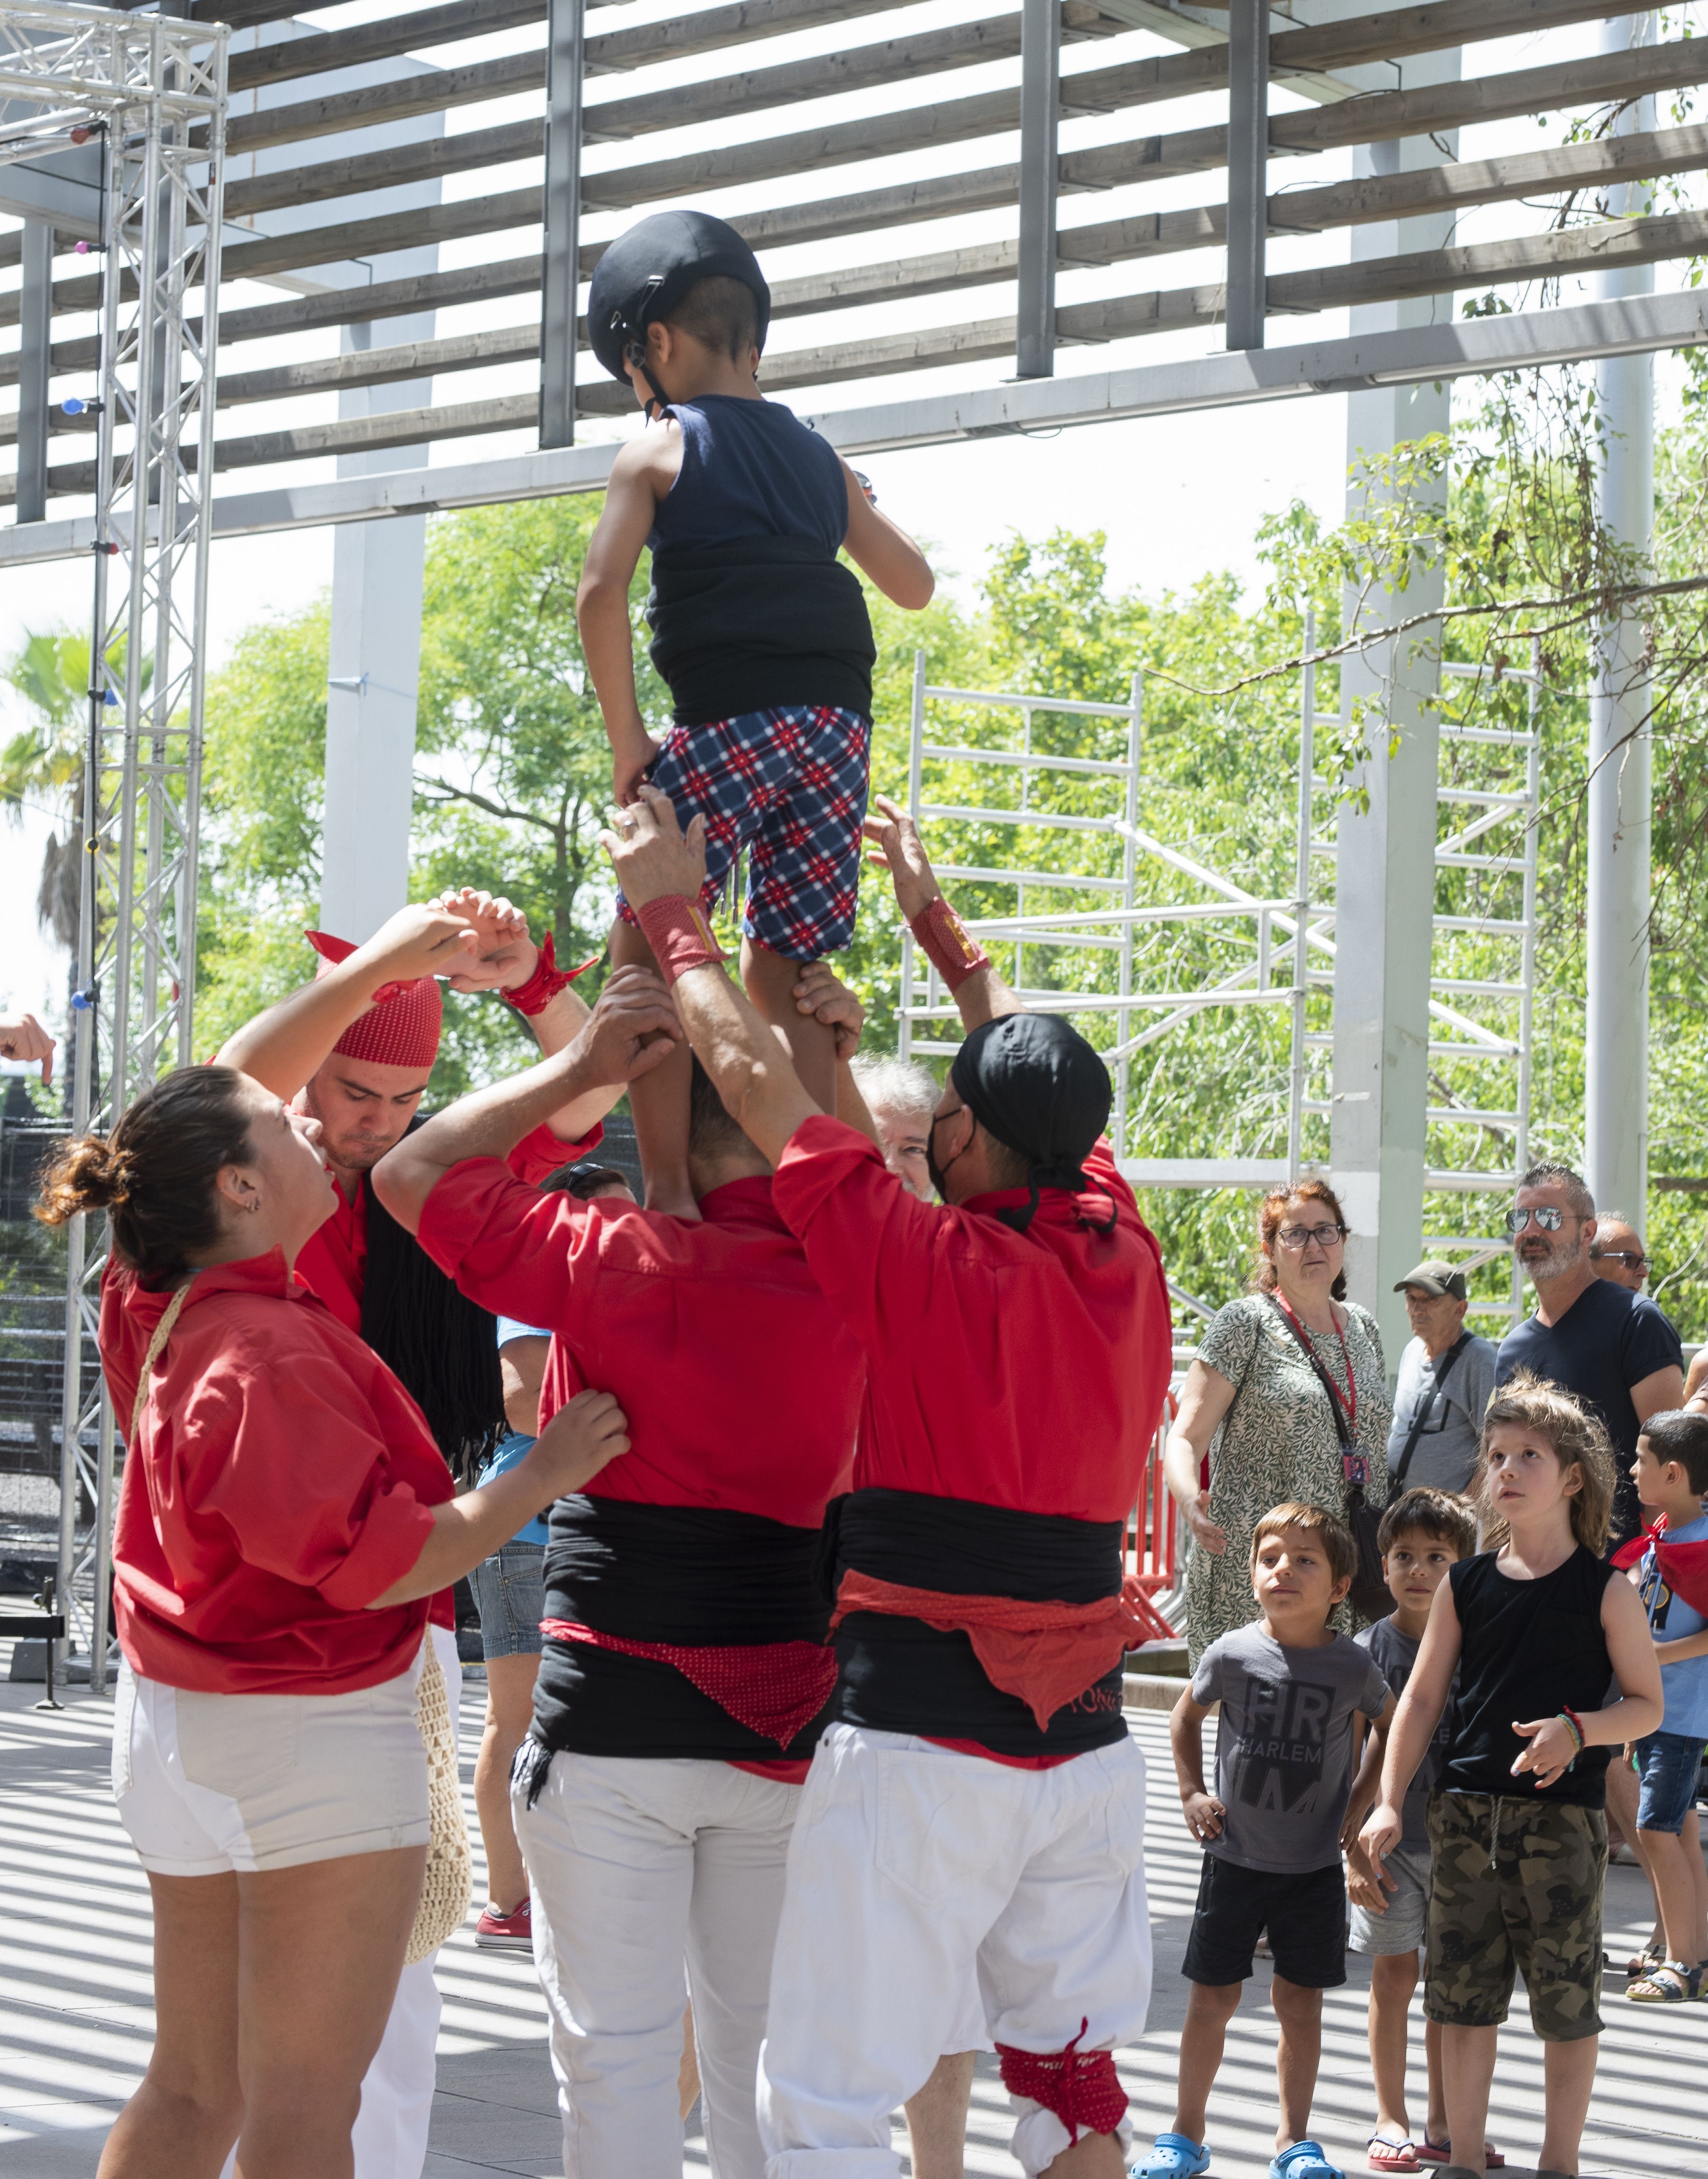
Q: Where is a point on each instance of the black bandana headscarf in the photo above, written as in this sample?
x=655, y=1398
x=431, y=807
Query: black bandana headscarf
x=1034, y=1082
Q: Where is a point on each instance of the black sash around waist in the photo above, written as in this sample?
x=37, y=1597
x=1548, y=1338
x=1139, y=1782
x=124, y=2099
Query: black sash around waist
x=898, y=1675
x=756, y=623
x=685, y=1574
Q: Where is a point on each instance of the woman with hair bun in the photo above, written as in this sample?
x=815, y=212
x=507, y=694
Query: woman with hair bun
x=284, y=1518
x=1288, y=1380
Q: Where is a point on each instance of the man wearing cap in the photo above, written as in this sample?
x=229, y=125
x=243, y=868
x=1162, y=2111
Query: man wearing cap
x=355, y=1049
x=1446, y=1377
x=978, y=1800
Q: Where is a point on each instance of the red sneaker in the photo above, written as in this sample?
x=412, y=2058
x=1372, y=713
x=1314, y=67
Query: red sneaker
x=504, y=1933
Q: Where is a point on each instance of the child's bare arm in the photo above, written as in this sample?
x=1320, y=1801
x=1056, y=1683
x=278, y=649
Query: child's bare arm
x=1365, y=1779
x=884, y=551
x=1408, y=1727
x=641, y=475
x=1205, y=1814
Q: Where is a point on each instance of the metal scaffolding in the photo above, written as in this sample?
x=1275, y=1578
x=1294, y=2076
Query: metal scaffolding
x=151, y=91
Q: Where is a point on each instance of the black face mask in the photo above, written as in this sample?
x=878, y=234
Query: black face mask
x=939, y=1173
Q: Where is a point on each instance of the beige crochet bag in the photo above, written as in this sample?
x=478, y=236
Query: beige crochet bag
x=448, y=1884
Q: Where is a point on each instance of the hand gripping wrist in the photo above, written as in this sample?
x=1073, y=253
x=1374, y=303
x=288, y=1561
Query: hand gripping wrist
x=548, y=979
x=948, y=947
x=679, y=935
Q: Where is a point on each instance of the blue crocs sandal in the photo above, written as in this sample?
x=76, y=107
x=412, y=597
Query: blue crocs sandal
x=1176, y=2156
x=1304, y=2161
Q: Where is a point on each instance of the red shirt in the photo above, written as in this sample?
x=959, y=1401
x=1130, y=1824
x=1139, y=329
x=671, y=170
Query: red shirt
x=741, y=1388
x=280, y=1477
x=1018, y=1369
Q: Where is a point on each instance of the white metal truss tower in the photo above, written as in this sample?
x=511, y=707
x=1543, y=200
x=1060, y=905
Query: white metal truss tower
x=151, y=89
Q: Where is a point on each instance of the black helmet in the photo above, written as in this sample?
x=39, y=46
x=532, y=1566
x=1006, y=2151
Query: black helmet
x=646, y=271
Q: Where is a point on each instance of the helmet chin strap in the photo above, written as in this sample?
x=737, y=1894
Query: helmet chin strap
x=636, y=353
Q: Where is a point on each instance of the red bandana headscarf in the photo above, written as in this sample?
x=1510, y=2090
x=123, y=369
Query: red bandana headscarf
x=401, y=1028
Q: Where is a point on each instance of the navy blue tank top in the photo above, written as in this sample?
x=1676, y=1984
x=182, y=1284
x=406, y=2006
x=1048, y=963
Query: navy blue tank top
x=751, y=469
x=751, y=610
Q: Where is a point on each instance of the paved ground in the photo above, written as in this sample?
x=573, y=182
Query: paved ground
x=75, y=2017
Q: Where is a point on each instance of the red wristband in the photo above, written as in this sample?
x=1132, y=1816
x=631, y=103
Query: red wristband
x=548, y=979
x=679, y=935
x=953, y=954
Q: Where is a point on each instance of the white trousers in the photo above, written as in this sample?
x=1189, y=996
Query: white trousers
x=390, y=2137
x=633, y=1864
x=909, y=1863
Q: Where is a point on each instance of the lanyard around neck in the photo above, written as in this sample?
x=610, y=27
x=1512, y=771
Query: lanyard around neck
x=1347, y=1401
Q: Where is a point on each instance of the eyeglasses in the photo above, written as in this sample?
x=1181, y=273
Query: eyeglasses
x=1634, y=1260
x=1301, y=1236
x=1548, y=1219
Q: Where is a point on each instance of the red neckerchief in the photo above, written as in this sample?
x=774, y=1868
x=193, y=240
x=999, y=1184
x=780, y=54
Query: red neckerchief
x=1348, y=1403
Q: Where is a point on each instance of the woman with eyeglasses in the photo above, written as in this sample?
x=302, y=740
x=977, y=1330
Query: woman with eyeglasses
x=1258, y=1422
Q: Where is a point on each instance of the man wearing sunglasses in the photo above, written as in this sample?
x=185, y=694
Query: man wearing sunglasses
x=1617, y=1252
x=1609, y=1346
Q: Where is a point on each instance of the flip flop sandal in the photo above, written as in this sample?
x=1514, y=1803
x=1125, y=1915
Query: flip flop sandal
x=1441, y=2153
x=1385, y=2155
x=1305, y=2159
x=1672, y=1983
x=1176, y=2156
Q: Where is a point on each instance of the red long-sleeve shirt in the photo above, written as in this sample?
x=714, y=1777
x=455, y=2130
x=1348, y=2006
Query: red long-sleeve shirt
x=1017, y=1369
x=280, y=1479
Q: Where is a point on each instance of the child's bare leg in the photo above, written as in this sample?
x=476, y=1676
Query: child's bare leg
x=1467, y=2073
x=1209, y=2008
x=1435, y=2125
x=1569, y=2075
x=1392, y=1978
x=771, y=979
x=1622, y=1792
x=1297, y=2057
x=658, y=1103
x=1669, y=1870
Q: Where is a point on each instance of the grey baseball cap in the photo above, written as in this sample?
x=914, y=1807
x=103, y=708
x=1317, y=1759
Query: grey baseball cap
x=1437, y=1278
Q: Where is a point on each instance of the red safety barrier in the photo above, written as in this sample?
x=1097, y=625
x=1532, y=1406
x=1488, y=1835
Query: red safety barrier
x=1151, y=1533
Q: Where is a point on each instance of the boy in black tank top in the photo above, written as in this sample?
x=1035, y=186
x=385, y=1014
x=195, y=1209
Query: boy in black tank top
x=1537, y=1627
x=760, y=631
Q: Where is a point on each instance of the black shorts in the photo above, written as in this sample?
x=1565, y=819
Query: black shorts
x=1305, y=1915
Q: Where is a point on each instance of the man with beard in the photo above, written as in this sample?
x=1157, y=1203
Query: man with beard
x=1611, y=1348
x=355, y=1050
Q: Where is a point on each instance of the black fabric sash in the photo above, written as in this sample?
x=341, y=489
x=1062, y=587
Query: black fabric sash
x=756, y=624
x=897, y=1675
x=688, y=1574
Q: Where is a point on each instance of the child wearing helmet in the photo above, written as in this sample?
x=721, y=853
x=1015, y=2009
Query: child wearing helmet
x=760, y=631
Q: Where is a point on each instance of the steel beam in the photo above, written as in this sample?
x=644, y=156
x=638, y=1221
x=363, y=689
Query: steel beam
x=1248, y=170
x=563, y=223
x=1040, y=107
x=35, y=355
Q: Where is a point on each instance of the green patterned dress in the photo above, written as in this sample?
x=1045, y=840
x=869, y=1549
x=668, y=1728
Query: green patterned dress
x=1277, y=1442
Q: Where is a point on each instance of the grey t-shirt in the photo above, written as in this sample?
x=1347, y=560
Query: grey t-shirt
x=1447, y=1446
x=1283, y=1752
x=1396, y=1653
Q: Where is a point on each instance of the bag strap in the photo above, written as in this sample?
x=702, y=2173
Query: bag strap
x=157, y=1346
x=1443, y=1370
x=1349, y=1452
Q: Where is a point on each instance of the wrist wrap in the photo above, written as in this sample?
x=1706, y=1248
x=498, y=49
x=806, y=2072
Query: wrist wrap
x=679, y=935
x=548, y=979
x=951, y=951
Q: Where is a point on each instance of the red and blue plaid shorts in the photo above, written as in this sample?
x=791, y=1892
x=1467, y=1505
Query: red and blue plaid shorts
x=790, y=785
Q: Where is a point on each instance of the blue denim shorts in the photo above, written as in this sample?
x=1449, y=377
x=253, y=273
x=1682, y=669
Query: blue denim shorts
x=510, y=1595
x=1666, y=1763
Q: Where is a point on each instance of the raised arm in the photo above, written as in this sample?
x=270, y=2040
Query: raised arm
x=658, y=866
x=630, y=1031
x=283, y=1047
x=981, y=995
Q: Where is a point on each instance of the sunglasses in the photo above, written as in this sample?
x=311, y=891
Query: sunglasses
x=1634, y=1260
x=1549, y=1219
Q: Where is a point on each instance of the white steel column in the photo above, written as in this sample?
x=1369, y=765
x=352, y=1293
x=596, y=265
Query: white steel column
x=1616, y=1056
x=1385, y=860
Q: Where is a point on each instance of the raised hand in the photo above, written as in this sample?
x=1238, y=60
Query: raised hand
x=895, y=841
x=23, y=1037
x=652, y=857
x=506, y=956
x=420, y=940
x=820, y=991
x=633, y=1029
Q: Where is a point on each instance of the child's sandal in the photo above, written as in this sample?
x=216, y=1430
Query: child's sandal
x=1652, y=1955
x=1383, y=2154
x=1672, y=1983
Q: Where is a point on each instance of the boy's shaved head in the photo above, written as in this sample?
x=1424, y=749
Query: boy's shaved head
x=722, y=314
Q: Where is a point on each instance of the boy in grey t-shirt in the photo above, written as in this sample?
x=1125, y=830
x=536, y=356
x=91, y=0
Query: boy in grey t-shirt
x=1289, y=1688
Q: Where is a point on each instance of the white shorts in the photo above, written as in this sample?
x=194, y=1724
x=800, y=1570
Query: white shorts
x=206, y=1783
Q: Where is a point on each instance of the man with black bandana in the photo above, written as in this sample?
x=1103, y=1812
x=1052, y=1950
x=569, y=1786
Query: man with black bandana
x=979, y=1798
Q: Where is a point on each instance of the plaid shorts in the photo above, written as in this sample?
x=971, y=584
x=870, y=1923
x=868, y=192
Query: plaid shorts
x=790, y=785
